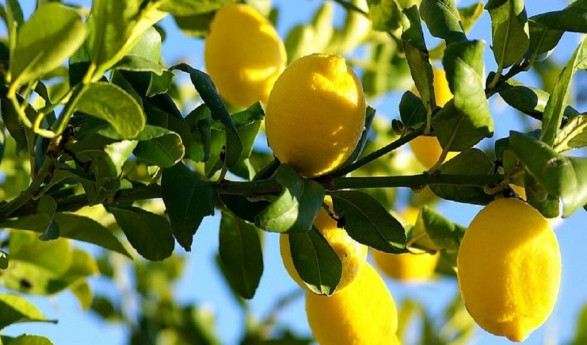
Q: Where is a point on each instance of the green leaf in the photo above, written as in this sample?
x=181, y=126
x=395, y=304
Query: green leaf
x=466, y=119
x=248, y=123
x=443, y=20
x=443, y=233
x=560, y=176
x=573, y=135
x=315, y=261
x=369, y=116
x=114, y=105
x=411, y=110
x=580, y=336
x=52, y=34
x=199, y=121
x=4, y=260
x=48, y=206
x=542, y=38
x=241, y=254
x=385, y=14
x=296, y=207
x=116, y=28
x=305, y=39
x=207, y=91
x=469, y=162
x=148, y=233
x=195, y=25
x=528, y=100
x=87, y=230
x=139, y=64
x=163, y=151
x=418, y=58
x=572, y=18
x=148, y=46
x=192, y=7
x=509, y=31
x=14, y=309
x=84, y=294
x=553, y=113
x=366, y=221
x=26, y=339
x=187, y=200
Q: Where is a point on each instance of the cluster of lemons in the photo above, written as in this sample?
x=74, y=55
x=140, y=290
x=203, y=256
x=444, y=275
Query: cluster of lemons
x=508, y=264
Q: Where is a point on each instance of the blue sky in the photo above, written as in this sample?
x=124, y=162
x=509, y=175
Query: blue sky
x=203, y=284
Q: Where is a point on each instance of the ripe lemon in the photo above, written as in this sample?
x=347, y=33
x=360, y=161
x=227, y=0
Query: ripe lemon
x=351, y=253
x=363, y=313
x=427, y=149
x=407, y=266
x=243, y=54
x=509, y=268
x=315, y=114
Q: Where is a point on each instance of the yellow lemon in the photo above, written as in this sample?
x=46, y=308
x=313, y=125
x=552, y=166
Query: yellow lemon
x=351, y=253
x=427, y=149
x=243, y=54
x=407, y=266
x=315, y=114
x=521, y=191
x=363, y=313
x=509, y=268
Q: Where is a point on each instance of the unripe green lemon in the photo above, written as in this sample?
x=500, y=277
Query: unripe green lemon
x=509, y=268
x=351, y=253
x=244, y=55
x=363, y=313
x=315, y=114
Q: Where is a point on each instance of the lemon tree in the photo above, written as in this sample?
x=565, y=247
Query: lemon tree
x=104, y=141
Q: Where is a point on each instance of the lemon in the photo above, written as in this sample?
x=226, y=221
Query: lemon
x=427, y=149
x=509, y=268
x=351, y=253
x=315, y=114
x=363, y=313
x=407, y=266
x=243, y=54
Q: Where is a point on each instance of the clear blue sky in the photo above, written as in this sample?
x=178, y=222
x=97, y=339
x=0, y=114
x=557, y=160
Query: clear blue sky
x=204, y=285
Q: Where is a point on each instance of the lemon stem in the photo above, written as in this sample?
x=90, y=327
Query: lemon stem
x=23, y=206
x=378, y=153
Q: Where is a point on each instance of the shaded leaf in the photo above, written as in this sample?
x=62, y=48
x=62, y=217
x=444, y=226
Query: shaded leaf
x=572, y=18
x=296, y=207
x=187, y=200
x=148, y=233
x=443, y=20
x=315, y=261
x=469, y=162
x=14, y=308
x=443, y=233
x=87, y=230
x=572, y=135
x=385, y=14
x=418, y=58
x=192, y=7
x=207, y=91
x=366, y=221
x=560, y=176
x=241, y=254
